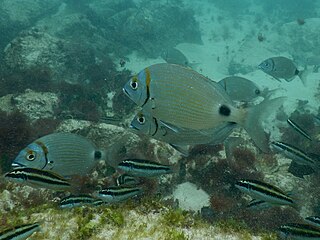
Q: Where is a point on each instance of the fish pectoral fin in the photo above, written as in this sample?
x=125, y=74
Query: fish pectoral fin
x=183, y=149
x=170, y=126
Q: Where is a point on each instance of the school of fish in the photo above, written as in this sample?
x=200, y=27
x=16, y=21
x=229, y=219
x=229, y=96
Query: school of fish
x=183, y=108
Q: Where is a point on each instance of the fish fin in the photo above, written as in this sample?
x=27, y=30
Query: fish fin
x=194, y=66
x=278, y=79
x=170, y=126
x=114, y=151
x=303, y=75
x=183, y=149
x=254, y=118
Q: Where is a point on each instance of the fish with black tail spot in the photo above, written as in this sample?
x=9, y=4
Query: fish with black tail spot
x=180, y=138
x=283, y=68
x=184, y=98
x=64, y=153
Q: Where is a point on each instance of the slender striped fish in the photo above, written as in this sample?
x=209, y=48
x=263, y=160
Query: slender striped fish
x=144, y=168
x=117, y=193
x=77, y=201
x=294, y=153
x=313, y=220
x=38, y=178
x=127, y=180
x=258, y=204
x=298, y=129
x=264, y=191
x=20, y=232
x=299, y=231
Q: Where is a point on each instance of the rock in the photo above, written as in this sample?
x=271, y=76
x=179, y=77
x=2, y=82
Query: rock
x=190, y=197
x=36, y=105
x=35, y=48
x=16, y=15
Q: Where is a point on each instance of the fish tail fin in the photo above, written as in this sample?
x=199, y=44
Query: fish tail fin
x=114, y=153
x=303, y=75
x=254, y=119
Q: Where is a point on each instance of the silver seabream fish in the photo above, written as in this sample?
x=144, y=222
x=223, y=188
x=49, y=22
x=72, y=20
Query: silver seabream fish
x=264, y=191
x=175, y=56
x=144, y=123
x=299, y=231
x=241, y=89
x=64, y=153
x=77, y=201
x=117, y=193
x=38, y=178
x=296, y=127
x=144, y=168
x=20, y=232
x=282, y=68
x=184, y=98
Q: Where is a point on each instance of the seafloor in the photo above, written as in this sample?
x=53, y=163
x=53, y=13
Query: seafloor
x=60, y=71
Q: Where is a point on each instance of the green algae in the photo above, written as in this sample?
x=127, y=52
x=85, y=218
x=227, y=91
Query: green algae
x=143, y=218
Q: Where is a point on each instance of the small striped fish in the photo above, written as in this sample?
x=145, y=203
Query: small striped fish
x=20, y=232
x=144, y=168
x=126, y=179
x=298, y=129
x=76, y=201
x=294, y=153
x=38, y=178
x=117, y=193
x=258, y=204
x=313, y=220
x=299, y=231
x=264, y=191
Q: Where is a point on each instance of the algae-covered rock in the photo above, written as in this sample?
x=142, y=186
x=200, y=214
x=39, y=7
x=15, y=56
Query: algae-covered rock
x=35, y=48
x=36, y=105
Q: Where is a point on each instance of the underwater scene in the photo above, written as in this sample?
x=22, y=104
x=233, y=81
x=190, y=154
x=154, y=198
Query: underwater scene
x=159, y=120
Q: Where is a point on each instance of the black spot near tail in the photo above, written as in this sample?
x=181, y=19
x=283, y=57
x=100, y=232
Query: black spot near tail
x=97, y=155
x=224, y=110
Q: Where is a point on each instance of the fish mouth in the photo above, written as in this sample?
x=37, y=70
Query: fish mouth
x=17, y=165
x=125, y=92
x=133, y=127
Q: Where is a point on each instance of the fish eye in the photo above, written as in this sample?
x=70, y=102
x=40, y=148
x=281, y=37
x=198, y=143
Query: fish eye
x=141, y=119
x=257, y=91
x=134, y=85
x=30, y=156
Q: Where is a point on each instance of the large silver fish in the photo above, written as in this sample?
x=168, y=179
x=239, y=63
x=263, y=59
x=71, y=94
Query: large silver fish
x=184, y=98
x=64, y=153
x=241, y=89
x=178, y=137
x=282, y=68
